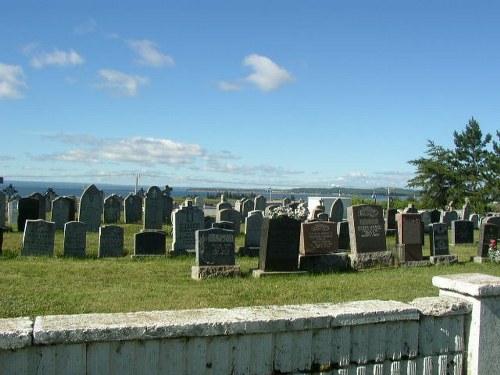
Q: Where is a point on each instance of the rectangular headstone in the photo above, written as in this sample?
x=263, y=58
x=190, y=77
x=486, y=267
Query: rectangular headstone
x=13, y=212
x=3, y=206
x=150, y=242
x=253, y=226
x=112, y=209
x=214, y=247
x=343, y=235
x=366, y=228
x=63, y=211
x=28, y=209
x=153, y=209
x=487, y=232
x=38, y=238
x=318, y=237
x=410, y=235
x=75, y=239
x=186, y=221
x=110, y=241
x=133, y=209
x=279, y=244
x=438, y=238
x=462, y=231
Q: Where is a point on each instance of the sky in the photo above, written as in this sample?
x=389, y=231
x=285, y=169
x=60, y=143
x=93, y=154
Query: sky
x=248, y=94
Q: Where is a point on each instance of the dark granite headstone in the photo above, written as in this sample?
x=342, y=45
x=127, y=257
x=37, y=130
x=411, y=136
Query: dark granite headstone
x=279, y=244
x=209, y=222
x=91, y=206
x=366, y=228
x=260, y=203
x=438, y=238
x=410, y=235
x=337, y=211
x=223, y=225
x=318, y=238
x=27, y=210
x=493, y=220
x=112, y=209
x=487, y=232
x=150, y=242
x=214, y=247
x=343, y=235
x=168, y=205
x=38, y=238
x=132, y=208
x=435, y=216
x=390, y=219
x=3, y=206
x=1, y=240
x=462, y=231
x=110, y=241
x=75, y=239
x=153, y=209
x=42, y=204
x=63, y=211
x=186, y=221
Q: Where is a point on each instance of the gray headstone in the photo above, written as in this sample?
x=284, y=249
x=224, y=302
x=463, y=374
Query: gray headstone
x=38, y=238
x=230, y=214
x=466, y=211
x=214, y=247
x=337, y=211
x=493, y=220
x=462, y=231
x=223, y=225
x=366, y=228
x=3, y=206
x=150, y=242
x=410, y=235
x=222, y=205
x=75, y=239
x=110, y=241
x=112, y=209
x=42, y=204
x=260, y=203
x=253, y=226
x=91, y=206
x=28, y=209
x=318, y=237
x=133, y=208
x=487, y=232
x=168, y=205
x=448, y=216
x=63, y=211
x=438, y=238
x=13, y=211
x=426, y=219
x=153, y=209
x=186, y=221
x=475, y=220
x=246, y=206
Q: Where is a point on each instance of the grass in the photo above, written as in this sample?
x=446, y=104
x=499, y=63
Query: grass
x=31, y=286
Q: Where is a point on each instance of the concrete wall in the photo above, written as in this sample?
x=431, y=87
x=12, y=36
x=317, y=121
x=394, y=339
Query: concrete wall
x=432, y=335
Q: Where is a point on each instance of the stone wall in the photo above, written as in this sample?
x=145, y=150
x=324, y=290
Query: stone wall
x=434, y=335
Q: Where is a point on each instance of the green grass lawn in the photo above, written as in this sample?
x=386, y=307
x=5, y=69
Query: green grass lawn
x=31, y=286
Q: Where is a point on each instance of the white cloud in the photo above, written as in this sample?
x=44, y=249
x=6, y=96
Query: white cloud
x=86, y=27
x=149, y=54
x=58, y=58
x=267, y=76
x=228, y=86
x=12, y=80
x=133, y=150
x=121, y=84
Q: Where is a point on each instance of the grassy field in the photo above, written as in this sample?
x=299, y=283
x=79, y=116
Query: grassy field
x=31, y=286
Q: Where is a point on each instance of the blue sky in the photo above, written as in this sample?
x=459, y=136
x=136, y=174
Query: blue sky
x=241, y=93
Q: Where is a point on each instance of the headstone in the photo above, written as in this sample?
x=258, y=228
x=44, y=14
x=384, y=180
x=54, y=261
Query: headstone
x=343, y=235
x=493, y=220
x=49, y=195
x=28, y=209
x=150, y=242
x=91, y=206
x=199, y=202
x=186, y=221
x=253, y=226
x=168, y=205
x=132, y=208
x=410, y=236
x=237, y=205
x=63, y=211
x=260, y=203
x=448, y=216
x=75, y=239
x=246, y=206
x=462, y=231
x=112, y=209
x=214, y=247
x=487, y=232
x=438, y=238
x=426, y=220
x=223, y=204
x=390, y=220
x=279, y=244
x=318, y=210
x=3, y=206
x=318, y=237
x=230, y=214
x=466, y=210
x=13, y=211
x=223, y=225
x=435, y=216
x=1, y=240
x=38, y=238
x=209, y=222
x=153, y=209
x=42, y=204
x=337, y=211
x=110, y=241
x=322, y=216
x=475, y=220
x=410, y=209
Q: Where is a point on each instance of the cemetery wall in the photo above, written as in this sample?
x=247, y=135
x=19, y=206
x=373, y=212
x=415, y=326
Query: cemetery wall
x=433, y=335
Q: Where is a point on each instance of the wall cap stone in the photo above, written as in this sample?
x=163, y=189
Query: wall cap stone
x=442, y=306
x=472, y=284
x=15, y=333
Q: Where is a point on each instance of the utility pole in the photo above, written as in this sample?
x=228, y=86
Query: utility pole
x=137, y=175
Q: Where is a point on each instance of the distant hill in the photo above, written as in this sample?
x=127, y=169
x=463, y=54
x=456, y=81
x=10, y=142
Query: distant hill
x=395, y=192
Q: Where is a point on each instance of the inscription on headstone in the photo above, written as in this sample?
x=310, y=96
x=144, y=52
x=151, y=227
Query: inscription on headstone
x=110, y=241
x=214, y=247
x=366, y=228
x=318, y=238
x=410, y=235
x=75, y=239
x=186, y=221
x=438, y=238
x=38, y=238
x=112, y=209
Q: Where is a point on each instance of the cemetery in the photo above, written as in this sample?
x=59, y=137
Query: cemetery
x=332, y=269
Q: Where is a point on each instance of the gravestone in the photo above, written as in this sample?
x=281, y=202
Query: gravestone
x=390, y=220
x=214, y=254
x=337, y=211
x=260, y=203
x=222, y=205
x=410, y=209
x=322, y=217
x=38, y=238
x=253, y=226
x=75, y=239
x=232, y=215
x=63, y=211
x=318, y=210
x=246, y=206
x=438, y=238
x=475, y=220
x=3, y=206
x=279, y=244
x=49, y=195
x=153, y=209
x=318, y=238
x=343, y=235
x=91, y=206
x=435, y=216
x=237, y=204
x=466, y=210
x=186, y=221
x=223, y=225
x=199, y=202
x=133, y=208
x=168, y=204
x=112, y=209
x=462, y=231
x=493, y=220
x=409, y=236
x=42, y=204
x=487, y=232
x=28, y=209
x=426, y=220
x=12, y=211
x=150, y=242
x=110, y=241
x=1, y=239
x=367, y=236
x=209, y=222
x=448, y=216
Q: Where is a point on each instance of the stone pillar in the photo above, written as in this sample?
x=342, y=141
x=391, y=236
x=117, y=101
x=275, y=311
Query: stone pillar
x=483, y=293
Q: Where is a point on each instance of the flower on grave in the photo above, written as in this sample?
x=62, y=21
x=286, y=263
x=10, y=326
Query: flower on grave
x=300, y=213
x=494, y=252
